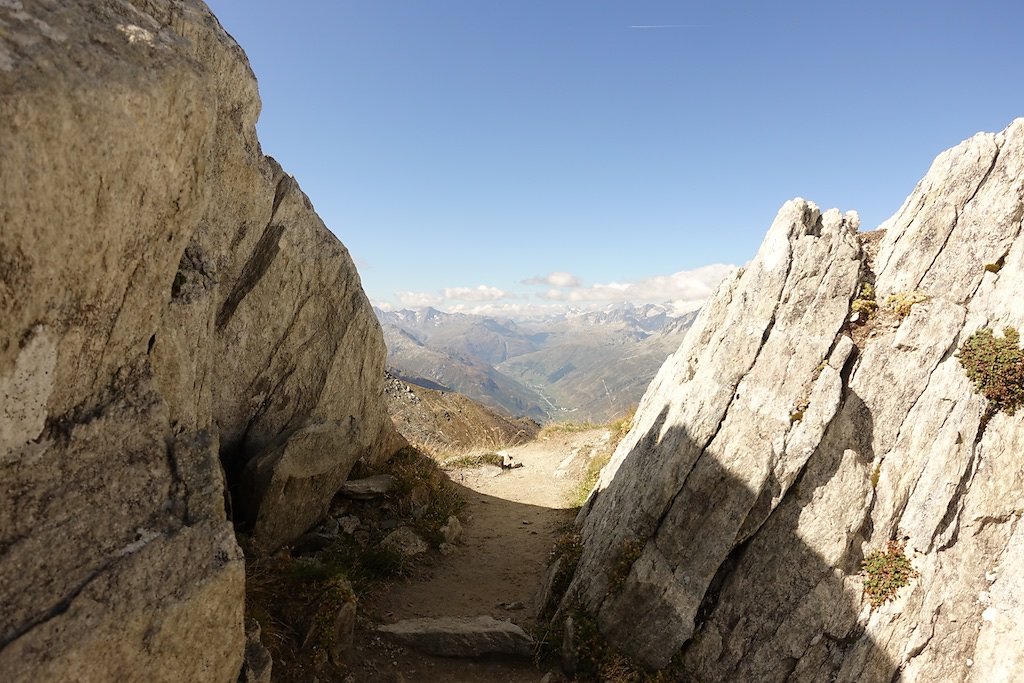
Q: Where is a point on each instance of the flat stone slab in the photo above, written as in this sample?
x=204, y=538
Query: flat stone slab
x=406, y=542
x=461, y=636
x=370, y=487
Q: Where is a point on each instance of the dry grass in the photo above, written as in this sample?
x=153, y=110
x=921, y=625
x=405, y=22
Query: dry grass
x=619, y=428
x=465, y=462
x=865, y=303
x=553, y=428
x=483, y=444
x=900, y=303
x=421, y=478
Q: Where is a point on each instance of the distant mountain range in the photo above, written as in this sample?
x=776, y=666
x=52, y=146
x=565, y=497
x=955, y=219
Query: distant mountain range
x=578, y=365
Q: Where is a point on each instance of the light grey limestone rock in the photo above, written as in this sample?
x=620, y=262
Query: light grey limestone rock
x=333, y=625
x=258, y=665
x=452, y=530
x=773, y=452
x=168, y=301
x=368, y=487
x=406, y=542
x=717, y=446
x=461, y=636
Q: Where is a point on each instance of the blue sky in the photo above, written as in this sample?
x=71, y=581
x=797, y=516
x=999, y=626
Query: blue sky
x=474, y=145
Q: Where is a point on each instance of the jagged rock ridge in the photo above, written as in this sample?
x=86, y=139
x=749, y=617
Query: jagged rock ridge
x=780, y=445
x=169, y=302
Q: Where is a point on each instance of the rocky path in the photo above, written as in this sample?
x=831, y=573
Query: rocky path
x=512, y=519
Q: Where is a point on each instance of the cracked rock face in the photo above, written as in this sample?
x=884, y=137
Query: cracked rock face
x=773, y=452
x=172, y=311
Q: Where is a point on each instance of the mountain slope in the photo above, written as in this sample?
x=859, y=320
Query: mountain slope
x=447, y=422
x=580, y=365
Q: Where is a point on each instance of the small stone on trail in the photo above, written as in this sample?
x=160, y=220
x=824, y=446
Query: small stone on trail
x=508, y=462
x=461, y=636
x=405, y=541
x=329, y=527
x=257, y=664
x=311, y=542
x=336, y=632
x=452, y=530
x=349, y=524
x=570, y=658
x=420, y=496
x=370, y=487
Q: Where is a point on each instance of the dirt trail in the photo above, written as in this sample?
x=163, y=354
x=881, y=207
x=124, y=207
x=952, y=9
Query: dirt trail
x=512, y=518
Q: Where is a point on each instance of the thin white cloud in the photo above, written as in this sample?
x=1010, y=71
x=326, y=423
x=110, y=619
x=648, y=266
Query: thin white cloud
x=558, y=278
x=509, y=309
x=687, y=289
x=553, y=295
x=478, y=293
x=418, y=299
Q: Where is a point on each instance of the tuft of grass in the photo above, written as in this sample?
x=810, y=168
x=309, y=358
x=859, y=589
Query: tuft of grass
x=885, y=572
x=415, y=471
x=465, y=462
x=628, y=554
x=334, y=595
x=553, y=428
x=622, y=425
x=567, y=551
x=901, y=302
x=995, y=267
x=799, y=409
x=312, y=570
x=595, y=658
x=865, y=303
x=996, y=366
x=619, y=428
x=482, y=443
x=379, y=562
x=875, y=474
x=579, y=494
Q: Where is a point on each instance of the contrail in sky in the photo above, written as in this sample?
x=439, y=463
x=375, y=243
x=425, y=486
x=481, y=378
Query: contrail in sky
x=667, y=25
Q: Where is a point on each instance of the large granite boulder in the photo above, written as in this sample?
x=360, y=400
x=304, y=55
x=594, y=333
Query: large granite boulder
x=172, y=312
x=781, y=445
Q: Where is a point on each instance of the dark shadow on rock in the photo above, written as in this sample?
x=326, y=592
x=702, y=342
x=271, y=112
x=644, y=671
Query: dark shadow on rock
x=728, y=587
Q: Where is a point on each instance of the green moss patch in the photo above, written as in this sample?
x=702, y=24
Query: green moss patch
x=996, y=366
x=885, y=572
